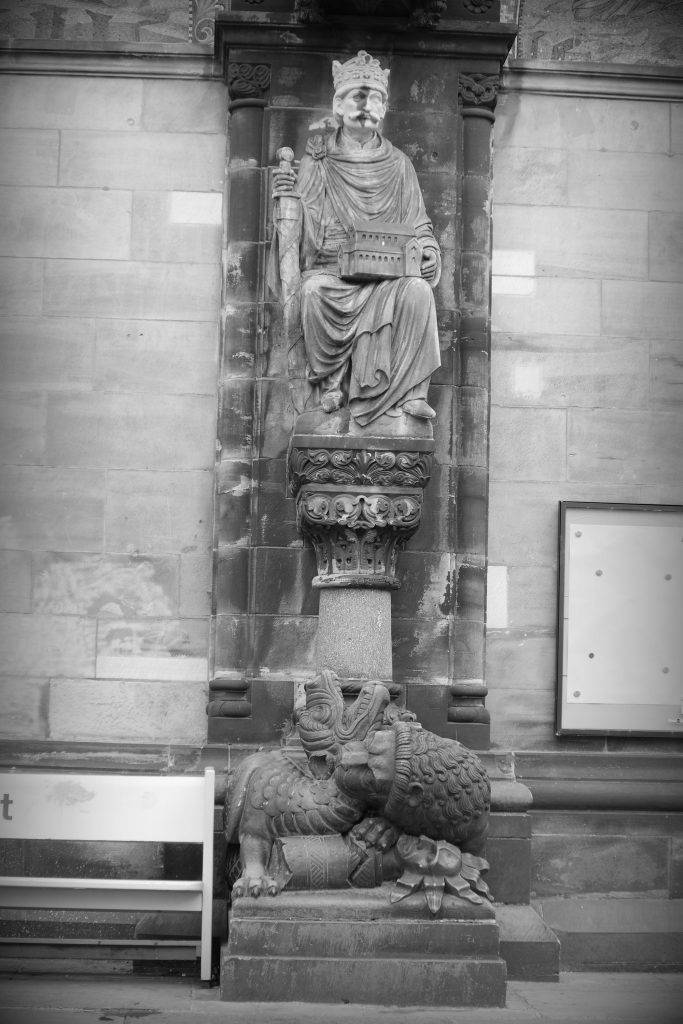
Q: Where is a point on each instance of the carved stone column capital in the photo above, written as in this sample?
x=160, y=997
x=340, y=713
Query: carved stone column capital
x=357, y=505
x=478, y=90
x=248, y=83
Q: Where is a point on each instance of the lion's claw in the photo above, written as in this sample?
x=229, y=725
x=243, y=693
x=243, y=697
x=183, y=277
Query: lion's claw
x=259, y=886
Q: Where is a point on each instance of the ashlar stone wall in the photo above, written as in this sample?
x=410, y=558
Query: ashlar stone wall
x=587, y=391
x=110, y=228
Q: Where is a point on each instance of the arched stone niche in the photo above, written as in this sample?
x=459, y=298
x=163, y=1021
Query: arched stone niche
x=443, y=89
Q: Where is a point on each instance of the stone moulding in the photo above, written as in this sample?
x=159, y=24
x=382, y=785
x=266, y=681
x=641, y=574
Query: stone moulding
x=357, y=505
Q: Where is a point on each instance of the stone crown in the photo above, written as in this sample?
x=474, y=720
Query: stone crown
x=359, y=70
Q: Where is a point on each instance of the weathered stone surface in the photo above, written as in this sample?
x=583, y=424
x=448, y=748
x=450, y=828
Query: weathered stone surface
x=116, y=586
x=676, y=875
x=245, y=202
x=563, y=122
x=276, y=510
x=232, y=580
x=625, y=181
x=374, y=947
x=21, y=286
x=569, y=371
x=616, y=934
x=241, y=338
x=598, y=864
x=70, y=223
x=642, y=309
x=232, y=645
x=59, y=101
x=24, y=708
x=153, y=291
x=183, y=106
x=195, y=585
x=518, y=659
x=159, y=512
x=444, y=982
x=22, y=428
x=163, y=649
x=571, y=305
x=47, y=645
x=142, y=160
x=665, y=233
x=51, y=509
x=530, y=176
x=155, y=356
x=618, y=447
x=521, y=719
x=529, y=947
x=427, y=585
x=28, y=157
x=533, y=597
x=282, y=581
x=420, y=650
x=119, y=431
x=15, y=581
x=571, y=242
x=283, y=645
x=177, y=227
x=165, y=711
x=528, y=444
x=39, y=352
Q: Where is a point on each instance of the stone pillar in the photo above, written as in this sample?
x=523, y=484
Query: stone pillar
x=477, y=92
x=230, y=691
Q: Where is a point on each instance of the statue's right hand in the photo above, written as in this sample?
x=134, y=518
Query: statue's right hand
x=284, y=181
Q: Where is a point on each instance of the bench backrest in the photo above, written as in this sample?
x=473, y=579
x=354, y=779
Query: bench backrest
x=130, y=808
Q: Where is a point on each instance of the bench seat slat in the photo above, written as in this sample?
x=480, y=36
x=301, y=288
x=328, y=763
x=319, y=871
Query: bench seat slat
x=133, y=884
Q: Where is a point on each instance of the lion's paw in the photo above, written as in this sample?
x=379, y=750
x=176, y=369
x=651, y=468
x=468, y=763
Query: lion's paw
x=262, y=885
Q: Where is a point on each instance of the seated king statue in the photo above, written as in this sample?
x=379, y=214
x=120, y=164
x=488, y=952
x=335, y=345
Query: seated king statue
x=370, y=341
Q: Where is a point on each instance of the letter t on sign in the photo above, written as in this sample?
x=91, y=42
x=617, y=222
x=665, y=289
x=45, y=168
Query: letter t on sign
x=5, y=807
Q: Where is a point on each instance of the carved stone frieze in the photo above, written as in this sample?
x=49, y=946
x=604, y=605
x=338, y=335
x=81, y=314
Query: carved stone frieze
x=364, y=466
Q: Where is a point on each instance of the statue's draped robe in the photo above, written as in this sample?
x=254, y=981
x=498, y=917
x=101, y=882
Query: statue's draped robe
x=386, y=329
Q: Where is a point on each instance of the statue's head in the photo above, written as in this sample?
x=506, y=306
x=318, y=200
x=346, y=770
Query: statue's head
x=360, y=92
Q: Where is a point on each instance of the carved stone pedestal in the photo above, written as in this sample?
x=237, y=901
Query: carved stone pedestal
x=359, y=498
x=354, y=946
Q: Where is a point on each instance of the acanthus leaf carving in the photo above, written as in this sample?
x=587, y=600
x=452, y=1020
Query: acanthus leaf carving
x=248, y=81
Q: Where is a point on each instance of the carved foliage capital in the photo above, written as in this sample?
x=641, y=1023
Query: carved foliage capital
x=248, y=81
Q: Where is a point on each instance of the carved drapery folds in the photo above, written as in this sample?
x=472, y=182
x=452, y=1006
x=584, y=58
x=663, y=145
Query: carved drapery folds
x=358, y=507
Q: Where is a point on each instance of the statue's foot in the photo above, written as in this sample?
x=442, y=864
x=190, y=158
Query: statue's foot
x=332, y=400
x=261, y=885
x=419, y=408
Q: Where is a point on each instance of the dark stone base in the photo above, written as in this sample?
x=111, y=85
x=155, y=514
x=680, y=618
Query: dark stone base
x=616, y=934
x=355, y=946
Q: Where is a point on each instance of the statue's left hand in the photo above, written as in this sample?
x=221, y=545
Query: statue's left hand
x=429, y=265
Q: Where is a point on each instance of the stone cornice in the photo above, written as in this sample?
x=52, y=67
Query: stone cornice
x=601, y=81
x=111, y=63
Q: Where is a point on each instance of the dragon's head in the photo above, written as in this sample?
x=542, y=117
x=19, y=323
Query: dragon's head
x=327, y=724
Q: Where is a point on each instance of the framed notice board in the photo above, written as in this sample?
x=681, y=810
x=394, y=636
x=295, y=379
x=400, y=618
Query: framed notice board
x=620, y=619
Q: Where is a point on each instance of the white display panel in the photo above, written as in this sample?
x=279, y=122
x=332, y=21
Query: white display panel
x=620, y=664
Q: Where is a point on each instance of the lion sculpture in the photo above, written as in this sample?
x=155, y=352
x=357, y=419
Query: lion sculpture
x=370, y=775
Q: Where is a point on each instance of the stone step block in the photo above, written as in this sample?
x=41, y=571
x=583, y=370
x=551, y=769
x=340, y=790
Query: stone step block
x=381, y=981
x=347, y=940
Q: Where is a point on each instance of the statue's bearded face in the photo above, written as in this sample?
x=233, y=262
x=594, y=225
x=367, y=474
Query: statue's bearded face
x=361, y=108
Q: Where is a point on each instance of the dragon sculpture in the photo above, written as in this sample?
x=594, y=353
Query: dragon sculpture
x=392, y=800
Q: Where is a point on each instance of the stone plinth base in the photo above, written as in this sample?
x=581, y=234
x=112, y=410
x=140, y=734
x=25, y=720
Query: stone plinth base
x=354, y=946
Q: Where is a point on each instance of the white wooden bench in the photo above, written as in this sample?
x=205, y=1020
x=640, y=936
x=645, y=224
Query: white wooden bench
x=112, y=808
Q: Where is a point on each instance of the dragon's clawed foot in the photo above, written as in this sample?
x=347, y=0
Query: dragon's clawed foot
x=259, y=885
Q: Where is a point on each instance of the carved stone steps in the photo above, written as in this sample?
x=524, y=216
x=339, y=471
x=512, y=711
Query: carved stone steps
x=355, y=946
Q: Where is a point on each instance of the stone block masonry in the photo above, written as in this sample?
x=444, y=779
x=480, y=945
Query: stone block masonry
x=586, y=355
x=111, y=209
